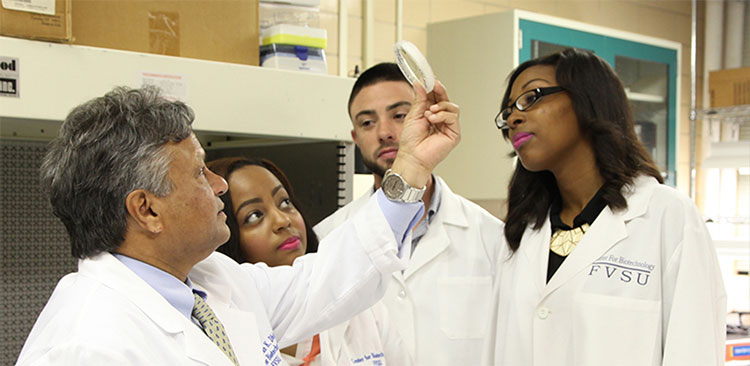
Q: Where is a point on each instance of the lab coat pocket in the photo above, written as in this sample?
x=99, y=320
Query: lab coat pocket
x=464, y=305
x=613, y=330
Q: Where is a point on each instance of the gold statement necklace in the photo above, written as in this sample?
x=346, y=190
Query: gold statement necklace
x=564, y=241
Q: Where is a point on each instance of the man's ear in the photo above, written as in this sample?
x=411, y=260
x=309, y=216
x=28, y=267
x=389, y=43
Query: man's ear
x=143, y=209
x=354, y=135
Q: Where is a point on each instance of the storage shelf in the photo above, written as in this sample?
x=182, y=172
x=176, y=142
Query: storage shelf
x=642, y=97
x=736, y=113
x=228, y=99
x=728, y=154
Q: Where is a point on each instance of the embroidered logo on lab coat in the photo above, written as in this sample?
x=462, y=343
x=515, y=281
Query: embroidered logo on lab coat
x=619, y=268
x=374, y=359
x=271, y=351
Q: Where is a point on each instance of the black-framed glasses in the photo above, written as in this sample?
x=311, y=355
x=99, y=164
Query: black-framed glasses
x=522, y=103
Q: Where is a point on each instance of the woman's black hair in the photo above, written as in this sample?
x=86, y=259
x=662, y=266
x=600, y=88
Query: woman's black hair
x=604, y=114
x=225, y=167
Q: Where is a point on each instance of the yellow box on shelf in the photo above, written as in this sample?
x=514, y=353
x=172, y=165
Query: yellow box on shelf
x=294, y=35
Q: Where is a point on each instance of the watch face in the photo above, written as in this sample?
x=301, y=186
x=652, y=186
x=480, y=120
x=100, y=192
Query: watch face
x=393, y=186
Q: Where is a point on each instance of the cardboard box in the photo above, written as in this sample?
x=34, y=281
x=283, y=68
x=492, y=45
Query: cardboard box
x=217, y=30
x=30, y=23
x=729, y=87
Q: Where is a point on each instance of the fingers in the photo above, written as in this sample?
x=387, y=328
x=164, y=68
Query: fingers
x=443, y=115
x=444, y=119
x=421, y=103
x=440, y=100
x=439, y=92
x=442, y=111
x=444, y=106
x=420, y=94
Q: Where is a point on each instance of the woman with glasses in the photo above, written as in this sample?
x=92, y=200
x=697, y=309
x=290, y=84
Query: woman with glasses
x=606, y=265
x=266, y=226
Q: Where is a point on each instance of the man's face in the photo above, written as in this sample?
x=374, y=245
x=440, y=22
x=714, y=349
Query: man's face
x=192, y=212
x=378, y=113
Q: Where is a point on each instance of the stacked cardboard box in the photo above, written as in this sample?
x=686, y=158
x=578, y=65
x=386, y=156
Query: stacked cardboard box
x=729, y=87
x=217, y=30
x=36, y=20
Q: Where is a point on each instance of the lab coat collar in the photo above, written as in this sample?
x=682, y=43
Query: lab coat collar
x=535, y=250
x=607, y=230
x=436, y=239
x=114, y=274
x=239, y=324
x=451, y=210
x=638, y=194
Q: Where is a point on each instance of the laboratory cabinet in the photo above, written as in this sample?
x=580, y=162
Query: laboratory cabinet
x=474, y=56
x=296, y=119
x=236, y=106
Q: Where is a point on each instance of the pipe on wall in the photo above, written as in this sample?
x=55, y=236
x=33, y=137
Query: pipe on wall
x=734, y=32
x=368, y=34
x=399, y=20
x=693, y=57
x=713, y=43
x=343, y=38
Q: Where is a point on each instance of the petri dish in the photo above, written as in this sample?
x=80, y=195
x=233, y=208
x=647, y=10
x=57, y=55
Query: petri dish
x=414, y=65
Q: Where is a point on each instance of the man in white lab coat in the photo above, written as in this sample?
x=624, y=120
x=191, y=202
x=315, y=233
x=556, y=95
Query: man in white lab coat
x=126, y=175
x=440, y=303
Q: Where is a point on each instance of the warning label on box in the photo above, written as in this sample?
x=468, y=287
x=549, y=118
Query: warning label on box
x=173, y=87
x=9, y=77
x=31, y=6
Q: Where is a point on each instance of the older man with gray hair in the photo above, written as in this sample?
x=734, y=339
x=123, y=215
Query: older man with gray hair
x=126, y=176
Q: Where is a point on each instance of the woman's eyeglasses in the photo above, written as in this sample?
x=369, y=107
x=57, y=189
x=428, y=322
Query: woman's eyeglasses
x=522, y=103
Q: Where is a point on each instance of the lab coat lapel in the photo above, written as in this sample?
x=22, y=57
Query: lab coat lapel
x=436, y=240
x=200, y=348
x=237, y=324
x=535, y=249
x=608, y=229
x=113, y=273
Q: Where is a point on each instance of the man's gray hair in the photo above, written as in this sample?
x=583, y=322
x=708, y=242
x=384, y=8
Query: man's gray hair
x=107, y=148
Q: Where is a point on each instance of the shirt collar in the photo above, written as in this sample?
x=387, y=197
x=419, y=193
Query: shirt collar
x=436, y=198
x=421, y=229
x=179, y=294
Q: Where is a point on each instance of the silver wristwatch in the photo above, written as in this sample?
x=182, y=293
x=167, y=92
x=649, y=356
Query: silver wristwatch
x=396, y=189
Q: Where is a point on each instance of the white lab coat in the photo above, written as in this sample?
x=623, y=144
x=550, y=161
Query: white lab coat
x=368, y=339
x=642, y=287
x=439, y=304
x=105, y=314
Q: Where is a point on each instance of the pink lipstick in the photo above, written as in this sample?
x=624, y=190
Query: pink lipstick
x=290, y=244
x=520, y=139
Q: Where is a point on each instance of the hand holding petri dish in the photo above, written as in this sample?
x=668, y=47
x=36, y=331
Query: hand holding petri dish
x=414, y=65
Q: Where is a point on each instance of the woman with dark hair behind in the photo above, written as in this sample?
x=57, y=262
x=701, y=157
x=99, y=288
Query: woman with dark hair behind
x=232, y=248
x=266, y=226
x=605, y=264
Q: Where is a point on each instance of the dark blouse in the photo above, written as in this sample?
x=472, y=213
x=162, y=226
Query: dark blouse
x=587, y=216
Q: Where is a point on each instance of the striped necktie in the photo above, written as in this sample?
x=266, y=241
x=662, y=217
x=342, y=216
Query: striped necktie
x=212, y=327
